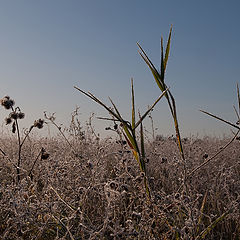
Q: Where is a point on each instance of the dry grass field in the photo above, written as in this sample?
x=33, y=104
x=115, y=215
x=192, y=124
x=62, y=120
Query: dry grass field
x=91, y=188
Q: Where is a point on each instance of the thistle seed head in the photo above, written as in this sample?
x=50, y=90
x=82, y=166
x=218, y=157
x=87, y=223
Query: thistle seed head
x=205, y=156
x=45, y=155
x=13, y=115
x=7, y=97
x=7, y=102
x=21, y=115
x=8, y=120
x=38, y=123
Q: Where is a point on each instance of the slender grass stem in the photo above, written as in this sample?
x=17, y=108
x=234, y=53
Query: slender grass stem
x=41, y=151
x=19, y=148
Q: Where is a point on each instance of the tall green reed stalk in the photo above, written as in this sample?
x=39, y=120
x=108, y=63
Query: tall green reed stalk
x=129, y=128
x=159, y=77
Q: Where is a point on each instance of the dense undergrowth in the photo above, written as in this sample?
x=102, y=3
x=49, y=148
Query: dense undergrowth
x=95, y=190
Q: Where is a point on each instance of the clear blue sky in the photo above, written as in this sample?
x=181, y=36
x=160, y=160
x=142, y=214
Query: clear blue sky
x=47, y=47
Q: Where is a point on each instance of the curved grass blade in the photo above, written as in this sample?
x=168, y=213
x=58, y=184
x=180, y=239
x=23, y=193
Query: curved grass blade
x=115, y=108
x=203, y=234
x=215, y=155
x=142, y=158
x=238, y=96
x=201, y=212
x=167, y=48
x=162, y=62
x=134, y=151
x=238, y=116
x=90, y=95
x=218, y=118
x=131, y=138
x=142, y=141
x=159, y=78
x=150, y=109
x=133, y=107
x=174, y=114
x=154, y=71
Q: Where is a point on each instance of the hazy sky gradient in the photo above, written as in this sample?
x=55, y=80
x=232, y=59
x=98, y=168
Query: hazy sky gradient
x=47, y=47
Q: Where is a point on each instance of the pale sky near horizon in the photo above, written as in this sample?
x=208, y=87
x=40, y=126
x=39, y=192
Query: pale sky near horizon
x=47, y=47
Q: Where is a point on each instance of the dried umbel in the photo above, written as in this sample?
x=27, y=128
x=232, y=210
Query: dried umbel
x=7, y=102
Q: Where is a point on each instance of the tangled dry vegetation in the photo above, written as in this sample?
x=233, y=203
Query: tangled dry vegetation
x=93, y=189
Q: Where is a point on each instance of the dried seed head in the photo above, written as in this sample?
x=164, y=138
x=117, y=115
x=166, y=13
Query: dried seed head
x=8, y=120
x=153, y=225
x=7, y=97
x=113, y=185
x=13, y=115
x=164, y=160
x=205, y=156
x=7, y=102
x=90, y=165
x=45, y=155
x=38, y=123
x=177, y=196
x=21, y=115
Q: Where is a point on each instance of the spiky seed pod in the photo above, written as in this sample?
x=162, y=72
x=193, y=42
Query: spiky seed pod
x=45, y=155
x=8, y=120
x=21, y=115
x=13, y=115
x=38, y=123
x=11, y=102
x=7, y=102
x=3, y=101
